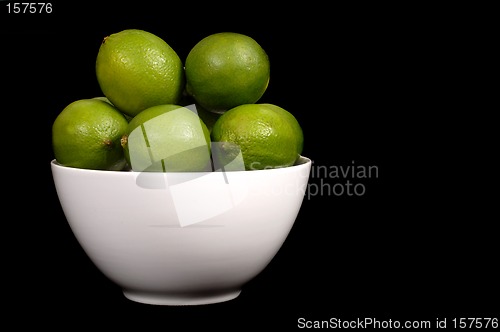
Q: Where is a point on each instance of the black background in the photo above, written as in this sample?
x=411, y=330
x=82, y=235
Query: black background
x=370, y=85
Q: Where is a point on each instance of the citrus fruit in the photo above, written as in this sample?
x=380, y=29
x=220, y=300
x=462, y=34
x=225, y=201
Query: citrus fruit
x=226, y=69
x=296, y=128
x=136, y=69
x=267, y=136
x=87, y=133
x=167, y=138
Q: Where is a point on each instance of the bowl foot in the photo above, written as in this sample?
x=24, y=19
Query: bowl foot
x=178, y=299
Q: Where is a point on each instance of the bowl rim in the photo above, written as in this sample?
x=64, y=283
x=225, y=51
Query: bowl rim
x=302, y=161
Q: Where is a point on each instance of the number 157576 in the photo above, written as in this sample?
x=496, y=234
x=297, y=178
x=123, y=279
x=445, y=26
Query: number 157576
x=475, y=323
x=29, y=7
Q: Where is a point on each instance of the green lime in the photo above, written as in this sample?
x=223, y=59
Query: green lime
x=226, y=69
x=136, y=70
x=266, y=135
x=87, y=133
x=296, y=128
x=167, y=138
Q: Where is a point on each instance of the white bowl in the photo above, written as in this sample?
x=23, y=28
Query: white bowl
x=181, y=238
